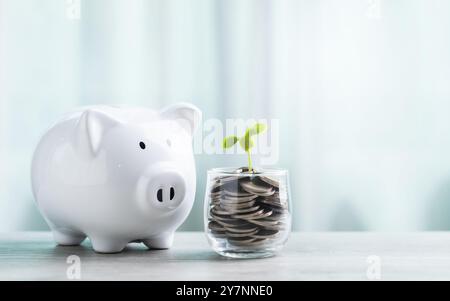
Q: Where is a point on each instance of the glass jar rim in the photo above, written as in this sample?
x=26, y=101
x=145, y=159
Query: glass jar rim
x=232, y=171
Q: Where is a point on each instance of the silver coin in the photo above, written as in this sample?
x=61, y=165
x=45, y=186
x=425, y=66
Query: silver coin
x=241, y=235
x=241, y=240
x=232, y=184
x=219, y=235
x=215, y=203
x=250, y=243
x=216, y=199
x=238, y=199
x=237, y=193
x=234, y=210
x=251, y=187
x=212, y=225
x=222, y=219
x=214, y=195
x=263, y=223
x=215, y=231
x=278, y=228
x=277, y=212
x=231, y=203
x=259, y=182
x=267, y=193
x=243, y=169
x=240, y=210
x=273, y=203
x=254, y=215
x=231, y=223
x=277, y=217
x=215, y=187
x=264, y=233
x=225, y=219
x=273, y=182
x=218, y=211
x=223, y=180
x=220, y=182
x=248, y=228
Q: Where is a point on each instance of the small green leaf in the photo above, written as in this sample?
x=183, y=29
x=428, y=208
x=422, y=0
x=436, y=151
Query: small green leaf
x=229, y=141
x=246, y=142
x=256, y=129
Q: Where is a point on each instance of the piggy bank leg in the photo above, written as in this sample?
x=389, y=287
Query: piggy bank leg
x=107, y=245
x=67, y=238
x=161, y=241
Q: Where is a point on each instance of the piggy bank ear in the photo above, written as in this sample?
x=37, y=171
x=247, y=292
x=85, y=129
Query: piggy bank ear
x=91, y=129
x=187, y=115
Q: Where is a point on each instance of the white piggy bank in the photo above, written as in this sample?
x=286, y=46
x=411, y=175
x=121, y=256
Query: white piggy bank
x=117, y=175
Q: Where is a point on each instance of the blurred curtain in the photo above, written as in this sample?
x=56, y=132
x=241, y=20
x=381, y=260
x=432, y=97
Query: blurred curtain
x=360, y=87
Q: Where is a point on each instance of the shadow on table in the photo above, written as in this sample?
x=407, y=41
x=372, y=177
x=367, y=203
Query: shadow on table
x=49, y=250
x=137, y=250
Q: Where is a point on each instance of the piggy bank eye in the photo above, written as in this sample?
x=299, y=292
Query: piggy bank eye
x=142, y=145
x=169, y=143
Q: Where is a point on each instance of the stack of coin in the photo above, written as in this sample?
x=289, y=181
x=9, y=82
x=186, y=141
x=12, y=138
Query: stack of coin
x=247, y=210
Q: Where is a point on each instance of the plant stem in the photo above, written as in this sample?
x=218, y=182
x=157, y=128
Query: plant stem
x=249, y=162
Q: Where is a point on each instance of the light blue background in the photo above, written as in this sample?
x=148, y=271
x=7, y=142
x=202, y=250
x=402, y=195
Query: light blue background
x=361, y=89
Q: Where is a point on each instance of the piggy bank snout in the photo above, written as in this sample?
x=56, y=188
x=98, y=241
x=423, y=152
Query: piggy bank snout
x=166, y=187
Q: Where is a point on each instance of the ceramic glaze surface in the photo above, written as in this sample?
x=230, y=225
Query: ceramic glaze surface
x=117, y=175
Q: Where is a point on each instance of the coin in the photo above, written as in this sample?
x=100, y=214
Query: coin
x=277, y=217
x=234, y=210
x=247, y=228
x=265, y=233
x=253, y=188
x=233, y=204
x=215, y=195
x=274, y=202
x=241, y=235
x=219, y=234
x=242, y=170
x=238, y=199
x=270, y=181
x=232, y=223
x=275, y=209
x=216, y=211
x=253, y=215
x=219, y=182
x=215, y=226
x=263, y=223
x=223, y=180
x=241, y=240
x=247, y=211
x=237, y=193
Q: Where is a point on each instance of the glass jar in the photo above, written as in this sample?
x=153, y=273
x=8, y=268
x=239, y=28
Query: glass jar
x=247, y=214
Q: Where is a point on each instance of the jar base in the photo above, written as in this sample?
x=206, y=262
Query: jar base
x=246, y=254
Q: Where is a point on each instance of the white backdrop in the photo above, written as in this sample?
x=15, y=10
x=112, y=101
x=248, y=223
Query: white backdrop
x=361, y=89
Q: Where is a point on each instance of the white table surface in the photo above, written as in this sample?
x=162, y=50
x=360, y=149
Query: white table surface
x=307, y=256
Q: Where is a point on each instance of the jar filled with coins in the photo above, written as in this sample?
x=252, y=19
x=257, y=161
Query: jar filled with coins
x=247, y=213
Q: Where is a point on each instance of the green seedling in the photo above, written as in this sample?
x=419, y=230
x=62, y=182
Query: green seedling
x=246, y=141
